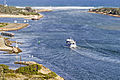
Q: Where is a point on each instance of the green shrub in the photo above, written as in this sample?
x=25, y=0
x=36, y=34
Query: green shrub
x=3, y=24
x=11, y=75
x=32, y=69
x=29, y=13
x=4, y=67
x=48, y=76
x=10, y=71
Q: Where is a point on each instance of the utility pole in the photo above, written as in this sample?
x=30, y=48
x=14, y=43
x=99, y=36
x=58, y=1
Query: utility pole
x=20, y=60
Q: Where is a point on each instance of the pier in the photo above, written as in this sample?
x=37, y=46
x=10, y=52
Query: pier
x=25, y=62
x=5, y=47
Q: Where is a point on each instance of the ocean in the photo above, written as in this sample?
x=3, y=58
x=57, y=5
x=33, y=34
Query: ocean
x=110, y=3
x=97, y=56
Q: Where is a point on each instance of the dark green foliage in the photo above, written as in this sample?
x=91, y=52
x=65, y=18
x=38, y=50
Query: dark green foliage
x=29, y=9
x=5, y=68
x=114, y=11
x=32, y=69
x=3, y=24
x=49, y=75
x=11, y=75
x=10, y=71
x=29, y=13
x=28, y=71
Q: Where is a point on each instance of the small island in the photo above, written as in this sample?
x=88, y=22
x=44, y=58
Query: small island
x=106, y=11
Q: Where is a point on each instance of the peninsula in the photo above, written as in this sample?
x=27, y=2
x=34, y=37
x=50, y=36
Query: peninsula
x=5, y=45
x=106, y=11
x=12, y=26
x=27, y=12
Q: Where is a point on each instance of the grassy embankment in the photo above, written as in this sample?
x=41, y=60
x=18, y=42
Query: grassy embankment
x=31, y=72
x=3, y=24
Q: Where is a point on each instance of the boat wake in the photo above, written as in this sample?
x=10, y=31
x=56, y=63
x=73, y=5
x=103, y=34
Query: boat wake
x=96, y=56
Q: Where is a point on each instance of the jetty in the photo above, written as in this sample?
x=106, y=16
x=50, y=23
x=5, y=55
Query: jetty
x=7, y=34
x=25, y=62
x=5, y=46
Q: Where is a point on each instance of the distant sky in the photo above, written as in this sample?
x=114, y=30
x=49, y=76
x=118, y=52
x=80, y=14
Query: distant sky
x=63, y=2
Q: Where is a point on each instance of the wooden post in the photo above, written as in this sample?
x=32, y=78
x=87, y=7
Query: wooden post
x=20, y=60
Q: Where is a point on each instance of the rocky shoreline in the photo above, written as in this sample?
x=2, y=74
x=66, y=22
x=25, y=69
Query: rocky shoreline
x=5, y=43
x=104, y=13
x=115, y=12
x=33, y=71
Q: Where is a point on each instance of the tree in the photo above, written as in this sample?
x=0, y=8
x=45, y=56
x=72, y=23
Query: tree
x=29, y=9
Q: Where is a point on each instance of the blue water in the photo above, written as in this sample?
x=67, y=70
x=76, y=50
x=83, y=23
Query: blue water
x=115, y=3
x=98, y=38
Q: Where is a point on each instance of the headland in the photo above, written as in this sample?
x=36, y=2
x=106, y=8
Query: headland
x=33, y=71
x=115, y=12
x=27, y=12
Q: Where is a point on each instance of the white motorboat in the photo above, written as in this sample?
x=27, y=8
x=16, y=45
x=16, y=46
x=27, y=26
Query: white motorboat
x=71, y=43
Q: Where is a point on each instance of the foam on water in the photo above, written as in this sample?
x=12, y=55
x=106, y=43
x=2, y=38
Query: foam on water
x=60, y=7
x=96, y=56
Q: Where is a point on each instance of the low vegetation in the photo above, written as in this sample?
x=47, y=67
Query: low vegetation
x=11, y=75
x=114, y=11
x=17, y=11
x=3, y=24
x=26, y=73
x=31, y=70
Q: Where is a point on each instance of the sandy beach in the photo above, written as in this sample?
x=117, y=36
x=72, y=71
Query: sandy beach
x=13, y=26
x=45, y=10
x=20, y=16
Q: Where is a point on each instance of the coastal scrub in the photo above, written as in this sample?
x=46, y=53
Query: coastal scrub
x=31, y=72
x=3, y=24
